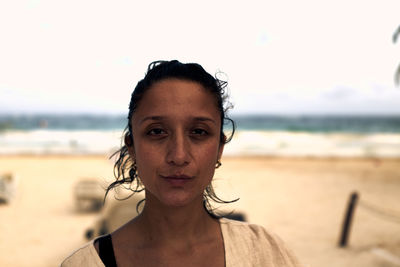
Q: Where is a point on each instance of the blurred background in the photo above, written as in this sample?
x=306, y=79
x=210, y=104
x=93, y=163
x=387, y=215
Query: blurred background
x=316, y=100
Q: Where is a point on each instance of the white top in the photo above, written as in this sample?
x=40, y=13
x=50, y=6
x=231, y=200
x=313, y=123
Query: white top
x=245, y=245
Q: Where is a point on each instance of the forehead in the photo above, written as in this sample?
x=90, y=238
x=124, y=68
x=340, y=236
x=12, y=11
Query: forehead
x=178, y=99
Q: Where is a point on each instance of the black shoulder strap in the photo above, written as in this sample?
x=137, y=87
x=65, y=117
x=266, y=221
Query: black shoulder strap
x=106, y=251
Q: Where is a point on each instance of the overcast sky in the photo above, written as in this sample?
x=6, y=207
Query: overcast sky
x=288, y=57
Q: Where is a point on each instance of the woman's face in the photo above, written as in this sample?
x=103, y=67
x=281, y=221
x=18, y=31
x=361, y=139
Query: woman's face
x=176, y=137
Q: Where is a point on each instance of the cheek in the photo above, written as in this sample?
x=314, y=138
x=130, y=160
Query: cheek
x=209, y=157
x=212, y=150
x=147, y=158
x=210, y=173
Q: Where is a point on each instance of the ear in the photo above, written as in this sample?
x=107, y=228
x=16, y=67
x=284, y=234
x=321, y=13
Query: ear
x=128, y=139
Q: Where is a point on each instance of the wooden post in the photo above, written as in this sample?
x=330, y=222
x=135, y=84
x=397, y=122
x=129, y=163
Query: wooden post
x=347, y=219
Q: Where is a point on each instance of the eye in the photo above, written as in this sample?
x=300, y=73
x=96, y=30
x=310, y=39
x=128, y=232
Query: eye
x=156, y=132
x=199, y=132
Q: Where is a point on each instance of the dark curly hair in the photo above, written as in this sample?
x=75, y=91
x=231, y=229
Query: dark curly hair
x=125, y=170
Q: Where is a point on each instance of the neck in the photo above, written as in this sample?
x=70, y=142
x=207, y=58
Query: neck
x=175, y=224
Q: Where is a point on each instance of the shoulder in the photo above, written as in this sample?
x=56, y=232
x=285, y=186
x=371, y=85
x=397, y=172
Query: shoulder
x=250, y=233
x=251, y=242
x=243, y=228
x=83, y=256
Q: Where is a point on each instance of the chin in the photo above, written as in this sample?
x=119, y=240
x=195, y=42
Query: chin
x=180, y=200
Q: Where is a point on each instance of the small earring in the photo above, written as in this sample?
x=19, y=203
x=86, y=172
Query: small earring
x=218, y=164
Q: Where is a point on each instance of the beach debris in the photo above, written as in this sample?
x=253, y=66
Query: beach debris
x=113, y=215
x=89, y=195
x=347, y=219
x=383, y=212
x=7, y=188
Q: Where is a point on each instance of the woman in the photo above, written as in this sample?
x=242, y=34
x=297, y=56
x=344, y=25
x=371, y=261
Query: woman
x=173, y=143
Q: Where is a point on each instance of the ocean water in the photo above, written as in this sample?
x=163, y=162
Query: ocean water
x=319, y=136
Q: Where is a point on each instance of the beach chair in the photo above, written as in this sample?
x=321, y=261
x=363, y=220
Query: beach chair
x=7, y=188
x=89, y=194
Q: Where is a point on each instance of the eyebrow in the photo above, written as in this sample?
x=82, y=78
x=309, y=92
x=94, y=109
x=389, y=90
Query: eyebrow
x=152, y=118
x=161, y=118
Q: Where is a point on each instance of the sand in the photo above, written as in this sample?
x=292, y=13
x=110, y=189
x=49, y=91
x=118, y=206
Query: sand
x=301, y=199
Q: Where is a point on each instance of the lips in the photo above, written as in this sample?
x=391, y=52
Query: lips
x=177, y=180
x=177, y=177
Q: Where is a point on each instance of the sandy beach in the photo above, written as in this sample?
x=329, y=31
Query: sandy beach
x=303, y=200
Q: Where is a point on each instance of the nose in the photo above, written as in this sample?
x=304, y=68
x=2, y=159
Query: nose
x=178, y=150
